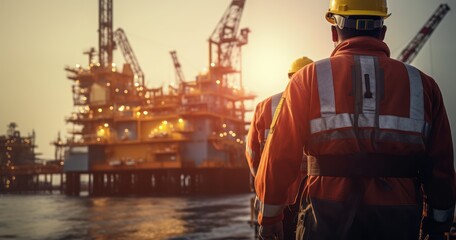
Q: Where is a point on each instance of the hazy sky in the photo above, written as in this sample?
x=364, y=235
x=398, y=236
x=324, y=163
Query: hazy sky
x=39, y=38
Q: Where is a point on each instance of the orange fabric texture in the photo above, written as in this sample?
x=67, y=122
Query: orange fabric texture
x=255, y=138
x=278, y=171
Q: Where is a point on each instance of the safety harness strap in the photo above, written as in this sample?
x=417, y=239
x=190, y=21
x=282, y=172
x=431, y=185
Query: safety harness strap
x=364, y=165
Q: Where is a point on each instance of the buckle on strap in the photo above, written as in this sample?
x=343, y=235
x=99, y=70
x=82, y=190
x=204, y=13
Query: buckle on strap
x=364, y=24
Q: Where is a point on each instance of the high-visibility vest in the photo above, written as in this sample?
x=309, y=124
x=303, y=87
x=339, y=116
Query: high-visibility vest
x=359, y=100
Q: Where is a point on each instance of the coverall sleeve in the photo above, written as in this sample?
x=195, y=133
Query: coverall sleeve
x=278, y=178
x=252, y=150
x=438, y=175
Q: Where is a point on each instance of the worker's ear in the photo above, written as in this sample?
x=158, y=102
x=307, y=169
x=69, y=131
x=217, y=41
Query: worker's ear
x=335, y=36
x=383, y=33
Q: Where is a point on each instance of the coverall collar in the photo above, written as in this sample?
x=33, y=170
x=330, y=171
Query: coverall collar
x=362, y=46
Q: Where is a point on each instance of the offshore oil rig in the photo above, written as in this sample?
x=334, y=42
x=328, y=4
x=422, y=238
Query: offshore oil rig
x=131, y=139
x=20, y=169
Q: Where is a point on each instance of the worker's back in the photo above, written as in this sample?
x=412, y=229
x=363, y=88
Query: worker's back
x=369, y=127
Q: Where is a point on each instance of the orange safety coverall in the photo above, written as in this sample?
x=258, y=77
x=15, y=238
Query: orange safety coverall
x=359, y=102
x=256, y=138
x=259, y=129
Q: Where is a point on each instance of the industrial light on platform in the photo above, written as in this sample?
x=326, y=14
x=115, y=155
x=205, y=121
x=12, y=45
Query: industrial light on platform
x=203, y=71
x=180, y=120
x=233, y=134
x=108, y=84
x=221, y=134
x=218, y=82
x=165, y=122
x=106, y=125
x=101, y=132
x=111, y=107
x=224, y=125
x=136, y=84
x=212, y=64
x=117, y=90
x=138, y=114
x=145, y=112
x=121, y=108
x=125, y=91
x=100, y=110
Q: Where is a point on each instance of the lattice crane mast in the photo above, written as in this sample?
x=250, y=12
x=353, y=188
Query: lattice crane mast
x=224, y=38
x=105, y=35
x=177, y=66
x=409, y=53
x=129, y=55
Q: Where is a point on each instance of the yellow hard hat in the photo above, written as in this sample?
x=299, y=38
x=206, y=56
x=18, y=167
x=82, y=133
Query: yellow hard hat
x=357, y=8
x=298, y=64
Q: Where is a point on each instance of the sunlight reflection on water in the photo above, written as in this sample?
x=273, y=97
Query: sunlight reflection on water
x=59, y=217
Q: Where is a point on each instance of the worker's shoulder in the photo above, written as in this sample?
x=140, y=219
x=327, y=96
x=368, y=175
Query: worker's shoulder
x=267, y=101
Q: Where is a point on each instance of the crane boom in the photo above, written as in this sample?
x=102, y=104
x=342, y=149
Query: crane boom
x=224, y=37
x=127, y=52
x=409, y=53
x=179, y=74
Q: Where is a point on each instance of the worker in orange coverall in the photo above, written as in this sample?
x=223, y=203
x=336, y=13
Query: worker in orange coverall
x=377, y=139
x=256, y=138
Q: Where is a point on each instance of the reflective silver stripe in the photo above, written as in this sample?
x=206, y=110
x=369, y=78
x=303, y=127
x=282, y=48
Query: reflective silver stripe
x=266, y=133
x=251, y=154
x=254, y=171
x=415, y=123
x=367, y=120
x=325, y=87
x=400, y=123
x=249, y=151
x=269, y=210
x=442, y=215
x=416, y=93
x=368, y=68
x=275, y=99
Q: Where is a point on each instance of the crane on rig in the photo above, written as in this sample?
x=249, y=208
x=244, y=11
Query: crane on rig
x=411, y=50
x=225, y=43
x=177, y=66
x=129, y=55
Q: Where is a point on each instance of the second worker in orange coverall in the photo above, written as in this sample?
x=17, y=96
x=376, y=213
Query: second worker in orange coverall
x=377, y=139
x=256, y=138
